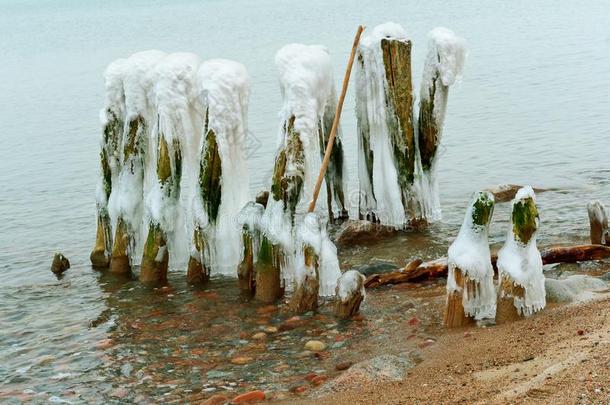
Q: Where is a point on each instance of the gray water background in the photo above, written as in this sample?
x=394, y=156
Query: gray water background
x=533, y=108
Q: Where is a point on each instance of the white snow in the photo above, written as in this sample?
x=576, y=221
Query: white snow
x=348, y=284
x=312, y=232
x=470, y=253
x=575, y=288
x=522, y=264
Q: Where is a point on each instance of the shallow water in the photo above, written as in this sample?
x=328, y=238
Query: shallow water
x=532, y=109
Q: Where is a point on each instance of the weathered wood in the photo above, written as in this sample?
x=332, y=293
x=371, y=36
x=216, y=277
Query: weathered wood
x=268, y=272
x=119, y=262
x=305, y=296
x=348, y=305
x=197, y=272
x=505, y=308
x=454, y=311
x=598, y=221
x=438, y=268
x=245, y=270
x=155, y=259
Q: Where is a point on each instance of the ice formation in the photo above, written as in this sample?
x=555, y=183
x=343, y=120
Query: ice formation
x=306, y=84
x=397, y=185
x=442, y=68
x=470, y=255
x=127, y=195
x=311, y=233
x=222, y=189
x=350, y=282
x=519, y=261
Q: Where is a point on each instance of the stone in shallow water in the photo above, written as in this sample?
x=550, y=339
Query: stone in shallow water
x=315, y=346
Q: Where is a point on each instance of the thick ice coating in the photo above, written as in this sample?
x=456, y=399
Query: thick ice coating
x=223, y=92
x=443, y=66
x=350, y=282
x=312, y=232
x=382, y=196
x=519, y=260
x=470, y=254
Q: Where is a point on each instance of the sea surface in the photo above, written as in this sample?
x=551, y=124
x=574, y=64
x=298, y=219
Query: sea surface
x=533, y=108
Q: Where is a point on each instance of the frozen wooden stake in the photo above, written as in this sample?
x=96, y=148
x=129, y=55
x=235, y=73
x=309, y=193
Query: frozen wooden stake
x=210, y=173
x=286, y=186
x=350, y=294
x=598, y=221
x=521, y=281
x=249, y=220
x=471, y=292
x=442, y=67
x=113, y=118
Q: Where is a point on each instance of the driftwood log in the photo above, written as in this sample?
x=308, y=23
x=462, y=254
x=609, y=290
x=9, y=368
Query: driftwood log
x=418, y=270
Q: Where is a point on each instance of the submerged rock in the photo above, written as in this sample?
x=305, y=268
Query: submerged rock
x=60, y=263
x=362, y=232
x=574, y=288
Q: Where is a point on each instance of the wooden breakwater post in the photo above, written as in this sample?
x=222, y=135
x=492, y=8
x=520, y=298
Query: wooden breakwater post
x=471, y=293
x=113, y=119
x=349, y=294
x=249, y=219
x=521, y=289
x=598, y=222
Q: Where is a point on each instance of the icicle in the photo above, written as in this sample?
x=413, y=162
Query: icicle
x=471, y=294
x=127, y=203
x=521, y=280
x=443, y=66
x=350, y=294
x=172, y=95
x=112, y=117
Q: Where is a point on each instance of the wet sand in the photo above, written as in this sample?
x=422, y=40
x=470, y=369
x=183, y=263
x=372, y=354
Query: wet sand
x=561, y=355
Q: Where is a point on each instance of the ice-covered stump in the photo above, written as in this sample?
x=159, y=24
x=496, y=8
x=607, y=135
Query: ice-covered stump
x=316, y=264
x=222, y=186
x=249, y=220
x=171, y=95
x=309, y=98
x=113, y=119
x=521, y=280
x=384, y=107
x=442, y=67
x=350, y=294
x=598, y=222
x=128, y=193
x=471, y=294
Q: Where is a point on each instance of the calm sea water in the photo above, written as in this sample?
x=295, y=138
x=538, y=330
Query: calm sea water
x=533, y=108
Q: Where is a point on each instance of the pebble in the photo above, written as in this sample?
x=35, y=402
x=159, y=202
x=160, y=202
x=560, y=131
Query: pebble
x=259, y=336
x=580, y=332
x=344, y=365
x=104, y=344
x=249, y=397
x=119, y=393
x=271, y=329
x=319, y=380
x=315, y=346
x=414, y=321
x=241, y=360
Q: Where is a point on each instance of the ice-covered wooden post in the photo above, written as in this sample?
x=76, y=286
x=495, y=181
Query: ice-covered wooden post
x=521, y=280
x=113, y=119
x=598, y=221
x=249, y=220
x=127, y=202
x=384, y=108
x=350, y=294
x=172, y=95
x=471, y=294
x=308, y=95
x=442, y=67
x=222, y=185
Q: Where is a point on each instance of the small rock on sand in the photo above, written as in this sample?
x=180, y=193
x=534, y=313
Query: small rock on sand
x=315, y=346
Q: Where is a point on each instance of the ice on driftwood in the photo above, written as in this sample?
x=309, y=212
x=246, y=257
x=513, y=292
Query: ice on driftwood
x=221, y=189
x=306, y=84
x=470, y=285
x=397, y=158
x=349, y=293
x=521, y=280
